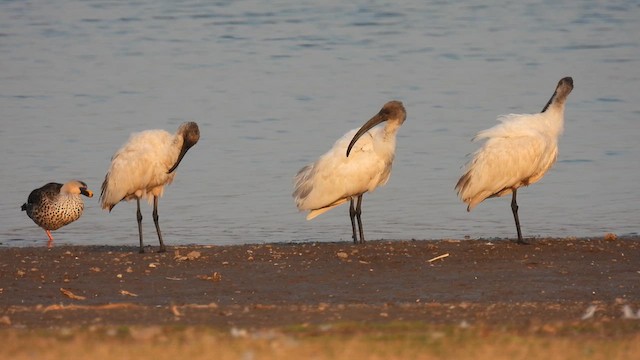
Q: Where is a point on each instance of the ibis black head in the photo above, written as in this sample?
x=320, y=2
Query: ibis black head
x=190, y=134
x=563, y=89
x=391, y=111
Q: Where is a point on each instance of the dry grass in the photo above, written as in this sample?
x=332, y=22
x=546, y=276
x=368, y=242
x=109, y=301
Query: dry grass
x=341, y=341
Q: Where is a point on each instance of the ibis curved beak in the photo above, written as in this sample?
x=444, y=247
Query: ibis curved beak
x=377, y=119
x=183, y=151
x=190, y=134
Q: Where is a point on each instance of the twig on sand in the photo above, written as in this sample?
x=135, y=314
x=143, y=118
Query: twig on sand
x=71, y=295
x=439, y=257
x=127, y=293
x=112, y=306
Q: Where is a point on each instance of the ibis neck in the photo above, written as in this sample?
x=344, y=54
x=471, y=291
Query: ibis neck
x=175, y=149
x=388, y=132
x=554, y=118
x=391, y=129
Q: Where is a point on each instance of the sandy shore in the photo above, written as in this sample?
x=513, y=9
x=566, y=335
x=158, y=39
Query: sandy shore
x=551, y=281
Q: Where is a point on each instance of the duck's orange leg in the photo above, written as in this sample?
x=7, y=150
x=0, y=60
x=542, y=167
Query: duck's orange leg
x=50, y=243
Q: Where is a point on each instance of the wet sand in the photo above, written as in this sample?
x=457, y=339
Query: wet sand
x=491, y=282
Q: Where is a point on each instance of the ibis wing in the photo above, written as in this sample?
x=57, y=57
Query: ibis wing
x=504, y=163
x=335, y=178
x=138, y=167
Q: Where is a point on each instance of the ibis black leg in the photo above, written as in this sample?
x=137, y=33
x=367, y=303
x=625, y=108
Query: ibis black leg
x=155, y=220
x=358, y=213
x=514, y=208
x=352, y=215
x=139, y=217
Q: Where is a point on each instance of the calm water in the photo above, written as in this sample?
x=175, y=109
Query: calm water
x=274, y=84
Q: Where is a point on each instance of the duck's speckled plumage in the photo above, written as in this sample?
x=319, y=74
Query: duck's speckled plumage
x=55, y=205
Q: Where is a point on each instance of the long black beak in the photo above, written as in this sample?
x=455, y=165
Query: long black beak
x=183, y=151
x=549, y=102
x=366, y=127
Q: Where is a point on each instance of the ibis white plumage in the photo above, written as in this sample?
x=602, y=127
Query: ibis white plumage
x=517, y=152
x=143, y=166
x=358, y=162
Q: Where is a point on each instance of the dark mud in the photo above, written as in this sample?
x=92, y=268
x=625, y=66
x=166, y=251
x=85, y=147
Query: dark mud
x=496, y=283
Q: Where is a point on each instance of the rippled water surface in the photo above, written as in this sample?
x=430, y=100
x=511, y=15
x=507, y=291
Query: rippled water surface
x=274, y=84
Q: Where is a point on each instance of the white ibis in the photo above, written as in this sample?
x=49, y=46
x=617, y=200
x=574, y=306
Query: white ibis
x=517, y=152
x=143, y=166
x=358, y=162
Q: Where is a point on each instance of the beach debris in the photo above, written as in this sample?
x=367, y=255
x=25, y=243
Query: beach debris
x=610, y=237
x=175, y=311
x=153, y=265
x=111, y=306
x=264, y=307
x=439, y=257
x=627, y=313
x=174, y=278
x=71, y=295
x=215, y=277
x=5, y=320
x=239, y=333
x=193, y=255
x=201, y=306
x=127, y=293
x=342, y=255
x=588, y=314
